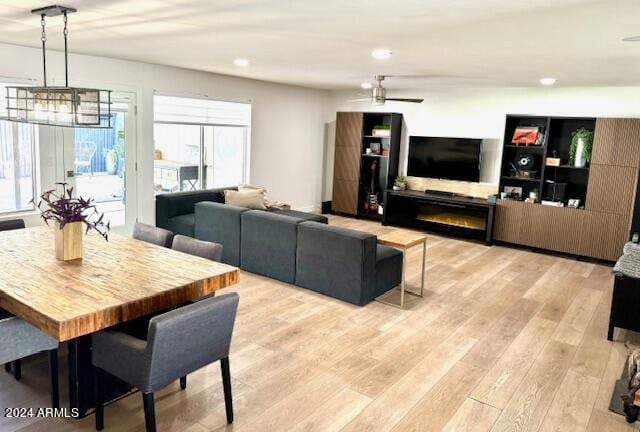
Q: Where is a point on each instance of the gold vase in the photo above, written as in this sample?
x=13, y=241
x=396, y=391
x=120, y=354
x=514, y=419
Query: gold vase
x=68, y=241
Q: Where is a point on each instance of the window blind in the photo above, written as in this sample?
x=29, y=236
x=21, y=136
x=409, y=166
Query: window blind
x=173, y=109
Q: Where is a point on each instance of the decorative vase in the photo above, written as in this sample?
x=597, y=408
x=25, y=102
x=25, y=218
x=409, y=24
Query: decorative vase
x=580, y=160
x=68, y=241
x=111, y=162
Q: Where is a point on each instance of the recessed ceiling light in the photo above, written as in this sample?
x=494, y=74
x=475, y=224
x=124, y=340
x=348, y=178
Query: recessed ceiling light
x=632, y=39
x=547, y=81
x=241, y=62
x=366, y=85
x=381, y=54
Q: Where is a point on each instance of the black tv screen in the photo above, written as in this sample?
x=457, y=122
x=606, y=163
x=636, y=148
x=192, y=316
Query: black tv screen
x=444, y=158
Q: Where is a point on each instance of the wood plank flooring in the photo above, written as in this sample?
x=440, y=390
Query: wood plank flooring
x=504, y=340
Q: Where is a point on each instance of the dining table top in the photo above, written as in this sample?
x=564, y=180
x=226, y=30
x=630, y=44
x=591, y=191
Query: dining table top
x=114, y=282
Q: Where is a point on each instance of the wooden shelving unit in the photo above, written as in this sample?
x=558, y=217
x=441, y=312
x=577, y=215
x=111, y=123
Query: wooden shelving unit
x=352, y=178
x=606, y=187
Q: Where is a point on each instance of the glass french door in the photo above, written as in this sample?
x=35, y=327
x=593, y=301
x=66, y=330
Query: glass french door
x=100, y=163
x=192, y=157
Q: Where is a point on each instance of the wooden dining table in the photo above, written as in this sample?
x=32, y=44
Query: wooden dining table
x=115, y=282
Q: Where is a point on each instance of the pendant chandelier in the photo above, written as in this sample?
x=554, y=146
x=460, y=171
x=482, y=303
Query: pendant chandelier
x=58, y=106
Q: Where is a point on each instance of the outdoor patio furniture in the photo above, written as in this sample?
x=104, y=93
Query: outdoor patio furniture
x=85, y=150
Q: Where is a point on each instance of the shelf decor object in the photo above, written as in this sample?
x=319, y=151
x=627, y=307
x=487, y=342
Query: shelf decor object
x=581, y=145
x=70, y=216
x=58, y=106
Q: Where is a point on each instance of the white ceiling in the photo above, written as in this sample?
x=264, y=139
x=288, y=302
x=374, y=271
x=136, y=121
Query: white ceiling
x=327, y=43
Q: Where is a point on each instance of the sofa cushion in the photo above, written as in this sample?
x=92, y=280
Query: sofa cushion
x=303, y=215
x=268, y=244
x=250, y=199
x=337, y=262
x=220, y=223
x=388, y=269
x=183, y=224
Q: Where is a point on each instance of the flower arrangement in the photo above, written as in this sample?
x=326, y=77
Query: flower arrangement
x=63, y=208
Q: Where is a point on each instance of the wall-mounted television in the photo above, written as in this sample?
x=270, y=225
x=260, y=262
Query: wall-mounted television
x=445, y=158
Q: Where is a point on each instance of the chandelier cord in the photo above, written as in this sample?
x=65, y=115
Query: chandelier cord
x=66, y=60
x=43, y=38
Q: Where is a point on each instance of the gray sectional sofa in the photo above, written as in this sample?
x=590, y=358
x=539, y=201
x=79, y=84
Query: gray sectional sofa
x=294, y=247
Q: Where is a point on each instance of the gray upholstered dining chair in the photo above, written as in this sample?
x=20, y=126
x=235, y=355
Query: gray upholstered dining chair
x=151, y=234
x=180, y=342
x=11, y=224
x=19, y=339
x=203, y=249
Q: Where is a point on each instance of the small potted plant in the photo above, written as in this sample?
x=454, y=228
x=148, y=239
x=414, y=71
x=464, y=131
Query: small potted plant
x=580, y=148
x=382, y=131
x=70, y=215
x=400, y=183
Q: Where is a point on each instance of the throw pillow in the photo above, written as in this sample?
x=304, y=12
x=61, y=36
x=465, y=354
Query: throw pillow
x=249, y=199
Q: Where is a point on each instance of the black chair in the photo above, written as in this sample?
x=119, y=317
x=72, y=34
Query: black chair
x=180, y=342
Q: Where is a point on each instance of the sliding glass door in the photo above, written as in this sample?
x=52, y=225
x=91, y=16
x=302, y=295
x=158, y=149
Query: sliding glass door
x=200, y=143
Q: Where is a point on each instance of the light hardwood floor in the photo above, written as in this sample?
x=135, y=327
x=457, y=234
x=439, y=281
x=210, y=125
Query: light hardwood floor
x=504, y=340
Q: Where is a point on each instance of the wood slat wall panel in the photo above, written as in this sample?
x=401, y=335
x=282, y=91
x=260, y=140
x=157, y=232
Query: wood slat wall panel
x=349, y=129
x=346, y=172
x=564, y=230
x=345, y=196
x=508, y=221
x=617, y=142
x=604, y=235
x=611, y=189
x=347, y=163
x=553, y=228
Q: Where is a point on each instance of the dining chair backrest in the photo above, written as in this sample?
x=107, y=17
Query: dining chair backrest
x=200, y=248
x=151, y=234
x=186, y=339
x=11, y=224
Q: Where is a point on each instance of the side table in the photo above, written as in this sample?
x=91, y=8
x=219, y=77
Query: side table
x=405, y=240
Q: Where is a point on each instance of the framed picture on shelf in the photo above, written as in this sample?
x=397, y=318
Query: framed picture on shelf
x=375, y=148
x=573, y=203
x=513, y=192
x=526, y=135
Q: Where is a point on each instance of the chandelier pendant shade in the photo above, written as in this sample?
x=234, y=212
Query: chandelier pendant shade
x=58, y=106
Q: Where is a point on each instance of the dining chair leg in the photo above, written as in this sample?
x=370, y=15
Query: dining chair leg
x=17, y=369
x=183, y=382
x=149, y=412
x=98, y=388
x=226, y=384
x=53, y=375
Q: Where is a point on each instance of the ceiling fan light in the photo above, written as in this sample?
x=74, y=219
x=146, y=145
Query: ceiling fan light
x=381, y=53
x=548, y=81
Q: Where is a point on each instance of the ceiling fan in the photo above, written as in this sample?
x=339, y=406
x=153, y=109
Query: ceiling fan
x=379, y=94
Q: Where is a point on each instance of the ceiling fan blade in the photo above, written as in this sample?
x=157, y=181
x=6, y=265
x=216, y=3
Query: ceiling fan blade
x=405, y=100
x=360, y=100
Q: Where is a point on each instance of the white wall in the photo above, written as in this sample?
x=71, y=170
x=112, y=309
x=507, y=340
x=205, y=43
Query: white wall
x=480, y=113
x=288, y=122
